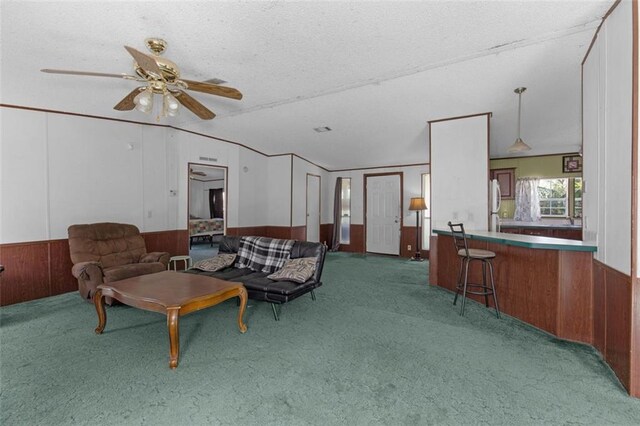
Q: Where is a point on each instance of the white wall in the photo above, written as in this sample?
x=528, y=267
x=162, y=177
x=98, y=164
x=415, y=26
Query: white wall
x=279, y=184
x=58, y=170
x=412, y=187
x=460, y=172
x=607, y=120
x=299, y=198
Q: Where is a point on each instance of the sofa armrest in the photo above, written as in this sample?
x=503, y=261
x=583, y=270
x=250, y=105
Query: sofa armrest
x=88, y=271
x=156, y=256
x=90, y=275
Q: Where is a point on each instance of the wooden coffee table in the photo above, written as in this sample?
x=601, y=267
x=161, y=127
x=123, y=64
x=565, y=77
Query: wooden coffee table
x=172, y=293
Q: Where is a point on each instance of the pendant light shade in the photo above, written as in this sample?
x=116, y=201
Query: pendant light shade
x=144, y=101
x=519, y=145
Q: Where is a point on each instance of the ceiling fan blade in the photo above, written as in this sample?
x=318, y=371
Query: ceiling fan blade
x=127, y=104
x=87, y=73
x=145, y=62
x=213, y=89
x=193, y=105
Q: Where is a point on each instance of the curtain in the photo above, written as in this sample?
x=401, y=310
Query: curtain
x=216, y=205
x=334, y=244
x=527, y=200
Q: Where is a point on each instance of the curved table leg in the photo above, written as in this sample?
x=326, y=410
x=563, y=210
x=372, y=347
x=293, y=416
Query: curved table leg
x=98, y=301
x=174, y=337
x=243, y=305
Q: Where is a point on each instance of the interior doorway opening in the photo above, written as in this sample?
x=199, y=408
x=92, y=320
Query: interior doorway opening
x=206, y=209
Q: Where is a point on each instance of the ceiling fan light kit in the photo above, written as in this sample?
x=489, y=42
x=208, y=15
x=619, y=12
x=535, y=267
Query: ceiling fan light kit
x=162, y=77
x=519, y=145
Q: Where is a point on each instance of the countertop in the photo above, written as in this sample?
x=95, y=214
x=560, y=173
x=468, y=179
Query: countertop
x=529, y=241
x=510, y=223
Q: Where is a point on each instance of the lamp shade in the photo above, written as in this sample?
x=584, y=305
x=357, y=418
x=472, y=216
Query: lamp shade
x=519, y=146
x=417, y=203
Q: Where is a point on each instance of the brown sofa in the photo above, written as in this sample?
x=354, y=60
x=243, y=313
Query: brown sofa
x=107, y=252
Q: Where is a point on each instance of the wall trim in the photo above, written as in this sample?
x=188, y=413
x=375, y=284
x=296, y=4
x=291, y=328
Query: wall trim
x=490, y=114
x=595, y=36
x=180, y=129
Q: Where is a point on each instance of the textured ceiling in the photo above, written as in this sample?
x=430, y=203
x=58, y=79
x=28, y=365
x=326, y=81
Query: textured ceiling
x=375, y=72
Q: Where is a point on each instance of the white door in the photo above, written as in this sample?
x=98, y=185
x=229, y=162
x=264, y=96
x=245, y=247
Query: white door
x=383, y=214
x=313, y=208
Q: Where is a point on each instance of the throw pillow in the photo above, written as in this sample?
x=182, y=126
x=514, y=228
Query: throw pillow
x=296, y=270
x=217, y=263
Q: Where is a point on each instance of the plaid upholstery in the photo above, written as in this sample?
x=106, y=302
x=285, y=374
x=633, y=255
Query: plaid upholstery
x=263, y=254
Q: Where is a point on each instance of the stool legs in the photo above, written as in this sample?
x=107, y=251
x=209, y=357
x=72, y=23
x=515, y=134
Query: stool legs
x=464, y=290
x=493, y=290
x=463, y=284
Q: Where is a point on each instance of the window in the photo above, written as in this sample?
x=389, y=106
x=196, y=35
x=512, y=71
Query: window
x=345, y=214
x=560, y=197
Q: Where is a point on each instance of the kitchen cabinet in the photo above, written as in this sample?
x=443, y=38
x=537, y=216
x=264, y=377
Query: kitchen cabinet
x=566, y=233
x=507, y=180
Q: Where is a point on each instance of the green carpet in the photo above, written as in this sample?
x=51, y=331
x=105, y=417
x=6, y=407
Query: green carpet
x=378, y=346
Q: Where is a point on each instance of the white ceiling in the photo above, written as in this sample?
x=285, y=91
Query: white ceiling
x=375, y=72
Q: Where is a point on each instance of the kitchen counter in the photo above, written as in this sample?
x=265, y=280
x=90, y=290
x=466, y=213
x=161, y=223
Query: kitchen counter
x=546, y=282
x=528, y=241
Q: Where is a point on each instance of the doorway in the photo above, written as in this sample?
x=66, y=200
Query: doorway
x=383, y=213
x=206, y=209
x=313, y=208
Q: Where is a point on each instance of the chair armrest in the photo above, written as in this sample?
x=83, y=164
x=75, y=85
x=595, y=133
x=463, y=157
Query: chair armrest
x=89, y=271
x=156, y=256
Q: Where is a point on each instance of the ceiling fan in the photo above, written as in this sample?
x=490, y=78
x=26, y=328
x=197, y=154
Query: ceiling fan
x=162, y=77
x=197, y=172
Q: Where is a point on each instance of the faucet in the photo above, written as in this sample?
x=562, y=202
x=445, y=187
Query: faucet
x=571, y=220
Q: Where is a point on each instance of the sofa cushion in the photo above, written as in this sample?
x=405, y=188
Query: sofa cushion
x=285, y=288
x=121, y=272
x=296, y=270
x=263, y=254
x=216, y=263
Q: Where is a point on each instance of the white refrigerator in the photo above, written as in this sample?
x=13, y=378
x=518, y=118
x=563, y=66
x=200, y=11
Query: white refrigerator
x=494, y=211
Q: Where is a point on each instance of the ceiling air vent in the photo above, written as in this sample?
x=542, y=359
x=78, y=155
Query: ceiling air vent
x=215, y=160
x=322, y=129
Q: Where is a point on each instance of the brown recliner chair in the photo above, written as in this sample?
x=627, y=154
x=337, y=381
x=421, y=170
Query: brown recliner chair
x=107, y=252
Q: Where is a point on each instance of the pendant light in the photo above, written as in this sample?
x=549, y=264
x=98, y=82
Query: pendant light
x=519, y=145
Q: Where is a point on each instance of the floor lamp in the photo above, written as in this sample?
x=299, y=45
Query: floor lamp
x=418, y=205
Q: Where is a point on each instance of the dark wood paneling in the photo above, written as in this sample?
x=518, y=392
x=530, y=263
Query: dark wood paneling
x=175, y=242
x=575, y=296
x=549, y=289
x=326, y=231
x=299, y=233
x=26, y=274
x=599, y=308
x=634, y=389
x=43, y=268
x=356, y=240
x=247, y=231
x=62, y=281
x=618, y=324
x=282, y=232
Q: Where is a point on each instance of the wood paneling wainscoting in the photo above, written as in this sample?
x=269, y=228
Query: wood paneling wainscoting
x=356, y=240
x=326, y=231
x=408, y=237
x=38, y=269
x=547, y=288
x=612, y=304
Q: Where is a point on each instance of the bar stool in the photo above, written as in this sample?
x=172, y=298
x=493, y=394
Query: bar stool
x=467, y=255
